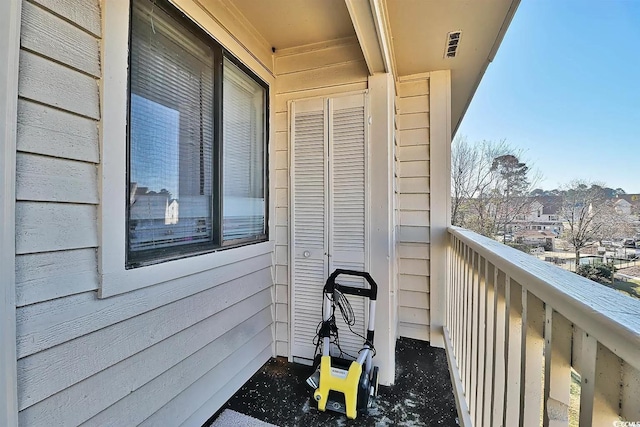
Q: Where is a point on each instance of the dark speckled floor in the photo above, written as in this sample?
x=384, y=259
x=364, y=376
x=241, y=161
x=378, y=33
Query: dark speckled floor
x=421, y=396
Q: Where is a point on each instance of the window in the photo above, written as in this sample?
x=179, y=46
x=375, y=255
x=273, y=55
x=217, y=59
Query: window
x=197, y=141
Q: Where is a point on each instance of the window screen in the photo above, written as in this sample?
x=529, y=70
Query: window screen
x=192, y=187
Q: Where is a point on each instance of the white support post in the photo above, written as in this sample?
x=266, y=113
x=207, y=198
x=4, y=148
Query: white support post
x=9, y=57
x=440, y=196
x=382, y=245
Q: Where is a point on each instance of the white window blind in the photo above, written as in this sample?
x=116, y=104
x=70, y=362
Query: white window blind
x=197, y=141
x=171, y=132
x=243, y=133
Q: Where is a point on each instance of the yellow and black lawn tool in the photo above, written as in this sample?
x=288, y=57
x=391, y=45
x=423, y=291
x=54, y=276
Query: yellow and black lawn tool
x=342, y=384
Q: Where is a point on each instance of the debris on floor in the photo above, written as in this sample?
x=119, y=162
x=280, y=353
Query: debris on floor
x=421, y=396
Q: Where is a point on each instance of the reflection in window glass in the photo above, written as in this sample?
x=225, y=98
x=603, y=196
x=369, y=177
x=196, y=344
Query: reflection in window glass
x=170, y=133
x=193, y=186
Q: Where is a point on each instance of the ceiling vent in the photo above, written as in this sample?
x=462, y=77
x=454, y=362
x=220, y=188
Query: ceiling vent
x=453, y=41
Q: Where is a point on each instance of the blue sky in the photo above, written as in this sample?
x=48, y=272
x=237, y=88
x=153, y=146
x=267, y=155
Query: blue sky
x=565, y=88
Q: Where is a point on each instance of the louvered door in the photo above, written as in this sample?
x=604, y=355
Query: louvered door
x=347, y=206
x=309, y=212
x=328, y=212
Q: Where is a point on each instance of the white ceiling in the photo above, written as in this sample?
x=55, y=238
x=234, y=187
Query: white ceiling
x=291, y=23
x=418, y=32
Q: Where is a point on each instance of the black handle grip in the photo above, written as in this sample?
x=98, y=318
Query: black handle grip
x=331, y=284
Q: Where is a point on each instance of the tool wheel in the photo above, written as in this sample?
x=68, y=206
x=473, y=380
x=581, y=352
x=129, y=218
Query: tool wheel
x=374, y=382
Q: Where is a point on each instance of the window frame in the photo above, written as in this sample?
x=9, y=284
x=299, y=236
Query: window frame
x=115, y=278
x=217, y=242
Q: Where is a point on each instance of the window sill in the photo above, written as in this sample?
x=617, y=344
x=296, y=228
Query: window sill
x=121, y=280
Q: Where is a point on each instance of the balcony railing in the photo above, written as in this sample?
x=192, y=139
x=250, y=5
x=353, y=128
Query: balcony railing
x=515, y=328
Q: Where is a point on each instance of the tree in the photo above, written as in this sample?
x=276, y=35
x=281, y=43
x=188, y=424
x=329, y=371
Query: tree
x=472, y=181
x=589, y=214
x=489, y=185
x=511, y=190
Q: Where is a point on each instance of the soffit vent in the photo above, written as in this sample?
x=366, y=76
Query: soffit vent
x=453, y=41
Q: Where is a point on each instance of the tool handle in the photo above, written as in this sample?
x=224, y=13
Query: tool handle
x=371, y=293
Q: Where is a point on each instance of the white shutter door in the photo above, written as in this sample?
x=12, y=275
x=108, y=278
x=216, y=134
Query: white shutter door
x=348, y=206
x=309, y=222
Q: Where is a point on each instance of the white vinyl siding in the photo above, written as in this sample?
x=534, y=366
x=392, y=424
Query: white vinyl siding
x=166, y=354
x=313, y=71
x=413, y=207
x=328, y=212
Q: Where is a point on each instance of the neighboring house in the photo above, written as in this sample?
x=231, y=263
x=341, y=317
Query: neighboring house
x=542, y=215
x=622, y=207
x=630, y=205
x=290, y=138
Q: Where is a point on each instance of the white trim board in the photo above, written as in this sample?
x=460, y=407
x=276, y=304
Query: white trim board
x=440, y=192
x=9, y=53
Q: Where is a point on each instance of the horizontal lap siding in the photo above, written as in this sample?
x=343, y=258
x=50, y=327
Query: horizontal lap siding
x=413, y=202
x=331, y=69
x=167, y=353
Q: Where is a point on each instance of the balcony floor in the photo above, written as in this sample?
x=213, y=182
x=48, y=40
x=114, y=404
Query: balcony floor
x=421, y=396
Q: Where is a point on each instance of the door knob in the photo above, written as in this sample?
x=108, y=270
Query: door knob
x=306, y=254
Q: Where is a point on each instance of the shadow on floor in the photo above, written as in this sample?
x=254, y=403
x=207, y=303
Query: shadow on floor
x=421, y=396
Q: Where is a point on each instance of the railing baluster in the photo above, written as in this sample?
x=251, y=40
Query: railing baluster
x=473, y=386
x=468, y=325
x=608, y=378
x=513, y=346
x=452, y=281
x=587, y=347
x=557, y=370
x=463, y=324
x=513, y=353
x=499, y=365
x=481, y=339
x=452, y=291
x=490, y=332
x=533, y=314
x=629, y=408
x=458, y=304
